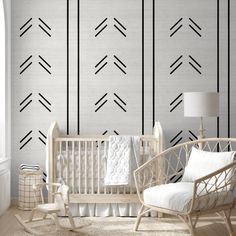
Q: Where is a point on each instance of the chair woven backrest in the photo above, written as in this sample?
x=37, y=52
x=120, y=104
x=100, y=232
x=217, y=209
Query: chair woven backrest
x=175, y=159
x=168, y=166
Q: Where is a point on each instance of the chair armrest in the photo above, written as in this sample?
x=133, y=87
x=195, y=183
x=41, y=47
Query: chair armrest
x=214, y=189
x=40, y=185
x=148, y=175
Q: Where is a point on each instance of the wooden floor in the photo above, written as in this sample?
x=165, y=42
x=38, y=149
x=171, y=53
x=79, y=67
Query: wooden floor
x=102, y=226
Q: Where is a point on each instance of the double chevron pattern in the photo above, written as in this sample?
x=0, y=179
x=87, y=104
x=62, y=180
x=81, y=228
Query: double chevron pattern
x=43, y=26
x=179, y=62
x=192, y=136
x=118, y=101
x=106, y=62
x=44, y=64
x=27, y=63
x=117, y=24
x=193, y=25
x=176, y=64
x=112, y=132
x=176, y=102
x=100, y=65
x=195, y=64
x=42, y=137
x=120, y=27
x=100, y=27
x=177, y=138
x=103, y=62
x=26, y=27
x=44, y=102
x=27, y=138
x=101, y=102
x=28, y=100
x=176, y=27
x=119, y=64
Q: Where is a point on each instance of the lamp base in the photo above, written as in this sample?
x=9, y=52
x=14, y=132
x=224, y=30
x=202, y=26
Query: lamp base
x=201, y=129
x=201, y=134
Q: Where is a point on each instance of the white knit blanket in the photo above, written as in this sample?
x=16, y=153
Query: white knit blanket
x=123, y=159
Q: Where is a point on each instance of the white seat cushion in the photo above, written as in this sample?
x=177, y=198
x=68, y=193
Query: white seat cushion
x=202, y=163
x=174, y=196
x=177, y=196
x=48, y=207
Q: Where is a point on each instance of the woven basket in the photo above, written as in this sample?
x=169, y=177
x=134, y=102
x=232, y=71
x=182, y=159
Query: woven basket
x=26, y=192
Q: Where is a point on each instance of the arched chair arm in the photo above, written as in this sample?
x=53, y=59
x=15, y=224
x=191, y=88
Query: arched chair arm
x=145, y=176
x=166, y=167
x=215, y=189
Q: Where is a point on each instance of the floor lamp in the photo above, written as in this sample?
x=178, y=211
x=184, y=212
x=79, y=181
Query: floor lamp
x=201, y=104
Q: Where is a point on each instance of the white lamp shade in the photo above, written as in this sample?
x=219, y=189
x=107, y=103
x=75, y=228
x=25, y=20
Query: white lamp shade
x=201, y=104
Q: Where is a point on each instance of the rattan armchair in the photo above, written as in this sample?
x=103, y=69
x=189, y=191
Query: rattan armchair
x=212, y=193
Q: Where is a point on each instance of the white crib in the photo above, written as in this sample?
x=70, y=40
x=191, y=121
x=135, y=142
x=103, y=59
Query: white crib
x=81, y=162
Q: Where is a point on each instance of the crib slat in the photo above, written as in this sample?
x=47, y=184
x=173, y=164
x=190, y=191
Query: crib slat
x=105, y=164
x=73, y=166
x=61, y=170
x=98, y=151
x=79, y=152
x=86, y=168
x=67, y=160
x=92, y=169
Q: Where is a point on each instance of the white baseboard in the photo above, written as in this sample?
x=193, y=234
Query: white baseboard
x=5, y=191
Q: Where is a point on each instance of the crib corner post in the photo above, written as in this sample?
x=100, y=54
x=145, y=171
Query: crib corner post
x=51, y=152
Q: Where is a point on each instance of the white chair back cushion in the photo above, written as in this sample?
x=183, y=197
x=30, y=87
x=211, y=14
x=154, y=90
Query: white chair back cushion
x=202, y=163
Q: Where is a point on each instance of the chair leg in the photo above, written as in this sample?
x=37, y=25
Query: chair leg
x=56, y=221
x=31, y=215
x=190, y=223
x=226, y=217
x=139, y=216
x=71, y=220
x=191, y=226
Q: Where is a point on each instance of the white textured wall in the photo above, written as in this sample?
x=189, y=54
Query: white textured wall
x=35, y=79
x=2, y=81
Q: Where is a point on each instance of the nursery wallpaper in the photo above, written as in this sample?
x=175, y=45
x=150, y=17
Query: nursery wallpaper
x=116, y=67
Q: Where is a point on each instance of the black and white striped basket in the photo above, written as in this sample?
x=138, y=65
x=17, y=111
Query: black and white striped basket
x=27, y=179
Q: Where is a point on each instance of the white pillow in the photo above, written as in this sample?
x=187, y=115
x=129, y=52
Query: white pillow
x=202, y=163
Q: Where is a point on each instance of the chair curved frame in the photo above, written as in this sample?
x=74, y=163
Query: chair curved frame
x=168, y=167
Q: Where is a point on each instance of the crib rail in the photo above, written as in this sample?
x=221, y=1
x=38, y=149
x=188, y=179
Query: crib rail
x=80, y=161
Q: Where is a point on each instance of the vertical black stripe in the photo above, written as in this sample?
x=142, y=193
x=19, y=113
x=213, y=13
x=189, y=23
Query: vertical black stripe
x=218, y=72
x=67, y=72
x=78, y=72
x=229, y=68
x=142, y=67
x=153, y=63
